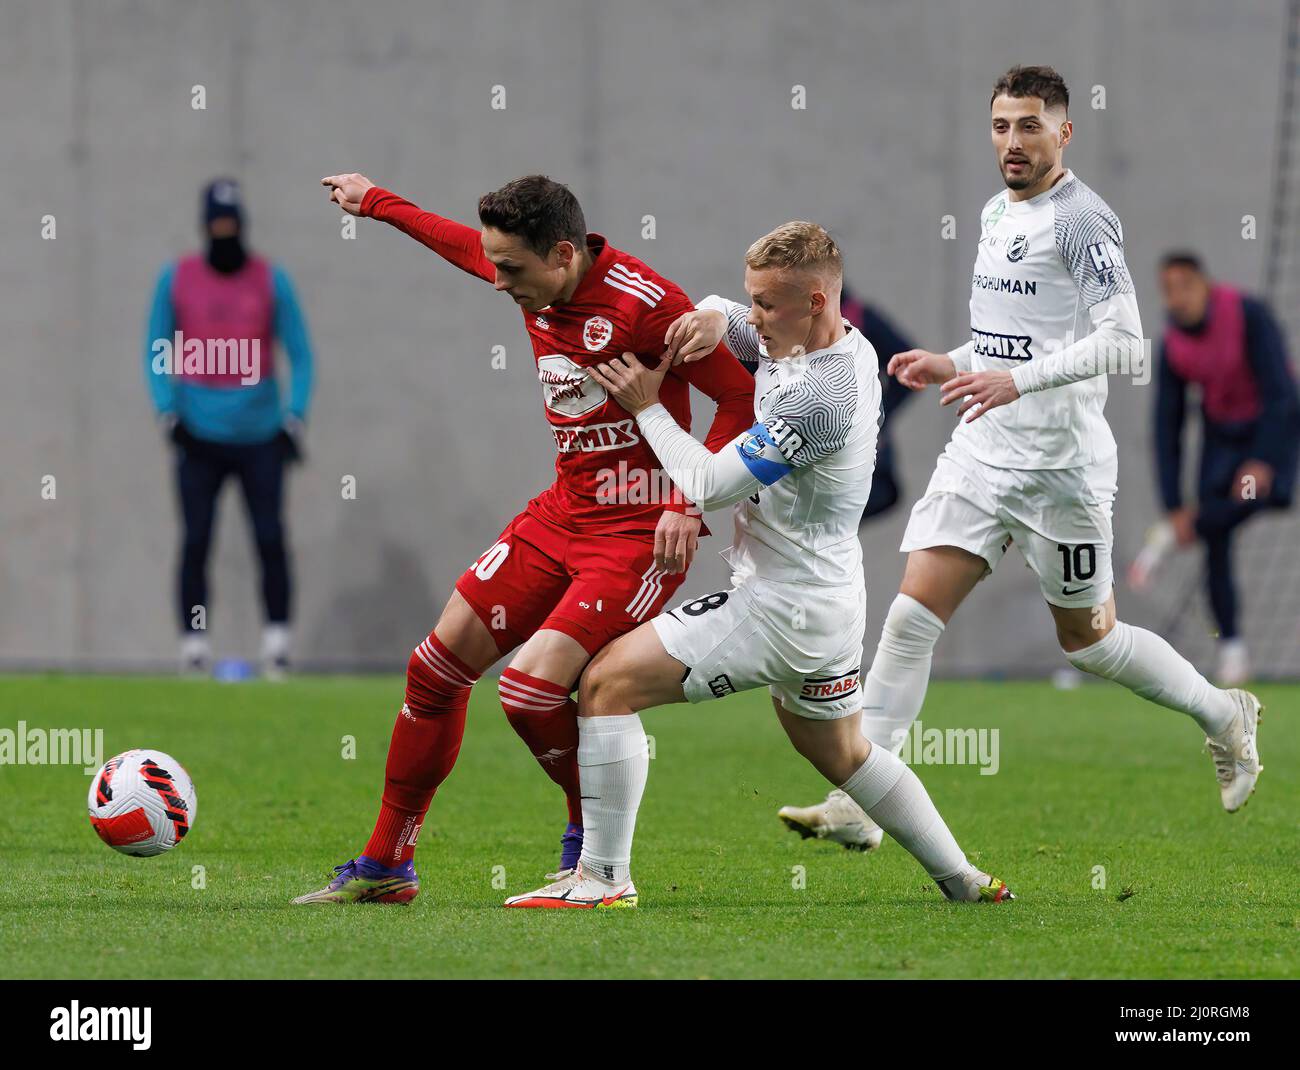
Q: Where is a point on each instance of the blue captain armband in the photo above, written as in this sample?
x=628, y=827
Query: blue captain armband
x=758, y=450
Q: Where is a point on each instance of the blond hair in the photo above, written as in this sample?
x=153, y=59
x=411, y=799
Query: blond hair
x=797, y=246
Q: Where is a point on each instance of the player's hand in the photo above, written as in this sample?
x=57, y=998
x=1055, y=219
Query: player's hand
x=174, y=431
x=918, y=368
x=1254, y=482
x=633, y=385
x=694, y=335
x=289, y=440
x=676, y=538
x=1183, y=522
x=988, y=390
x=347, y=190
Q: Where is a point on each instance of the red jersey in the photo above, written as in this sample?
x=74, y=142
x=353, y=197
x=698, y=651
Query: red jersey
x=607, y=479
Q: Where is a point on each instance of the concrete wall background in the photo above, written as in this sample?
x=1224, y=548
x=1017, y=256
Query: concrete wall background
x=672, y=109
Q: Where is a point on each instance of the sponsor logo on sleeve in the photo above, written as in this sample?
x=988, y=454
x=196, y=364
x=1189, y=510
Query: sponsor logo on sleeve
x=1102, y=259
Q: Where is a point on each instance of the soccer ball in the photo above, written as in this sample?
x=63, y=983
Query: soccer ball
x=142, y=802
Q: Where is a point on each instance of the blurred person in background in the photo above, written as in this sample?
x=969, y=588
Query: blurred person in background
x=209, y=364
x=1229, y=346
x=885, y=339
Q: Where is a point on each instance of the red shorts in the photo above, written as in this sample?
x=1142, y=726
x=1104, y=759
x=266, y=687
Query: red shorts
x=593, y=588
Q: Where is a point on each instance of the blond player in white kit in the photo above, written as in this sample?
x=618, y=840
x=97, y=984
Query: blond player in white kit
x=1032, y=460
x=793, y=618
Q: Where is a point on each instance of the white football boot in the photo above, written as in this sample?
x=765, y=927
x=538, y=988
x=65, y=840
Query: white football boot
x=838, y=819
x=578, y=892
x=196, y=655
x=275, y=652
x=974, y=886
x=1235, y=753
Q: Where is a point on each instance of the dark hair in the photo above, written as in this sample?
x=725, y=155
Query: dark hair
x=1041, y=82
x=538, y=209
x=1182, y=258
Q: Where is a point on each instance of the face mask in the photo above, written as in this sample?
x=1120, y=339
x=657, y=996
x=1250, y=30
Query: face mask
x=226, y=255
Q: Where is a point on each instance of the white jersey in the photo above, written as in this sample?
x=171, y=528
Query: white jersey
x=822, y=411
x=1042, y=264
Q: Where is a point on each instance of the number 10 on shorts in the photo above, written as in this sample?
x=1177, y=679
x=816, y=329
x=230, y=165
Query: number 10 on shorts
x=1078, y=562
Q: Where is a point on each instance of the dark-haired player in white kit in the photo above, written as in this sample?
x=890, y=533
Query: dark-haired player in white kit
x=1033, y=462
x=794, y=616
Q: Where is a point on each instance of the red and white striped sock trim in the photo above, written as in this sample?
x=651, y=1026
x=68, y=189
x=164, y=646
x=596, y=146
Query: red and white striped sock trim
x=444, y=664
x=530, y=694
x=436, y=680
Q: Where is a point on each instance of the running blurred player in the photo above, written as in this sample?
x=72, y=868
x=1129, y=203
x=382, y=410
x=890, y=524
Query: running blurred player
x=794, y=616
x=588, y=558
x=1052, y=310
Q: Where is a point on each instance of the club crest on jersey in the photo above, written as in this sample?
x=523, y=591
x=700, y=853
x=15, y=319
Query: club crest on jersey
x=1018, y=248
x=567, y=388
x=596, y=333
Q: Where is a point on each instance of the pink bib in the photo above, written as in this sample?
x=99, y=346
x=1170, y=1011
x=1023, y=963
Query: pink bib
x=1216, y=359
x=212, y=307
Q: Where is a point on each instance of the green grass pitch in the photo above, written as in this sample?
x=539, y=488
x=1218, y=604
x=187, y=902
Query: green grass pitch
x=1089, y=778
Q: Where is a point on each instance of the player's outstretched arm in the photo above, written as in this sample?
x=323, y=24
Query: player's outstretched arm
x=454, y=242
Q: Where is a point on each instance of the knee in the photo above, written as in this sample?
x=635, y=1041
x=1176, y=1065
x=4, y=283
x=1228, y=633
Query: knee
x=1098, y=652
x=1074, y=637
x=1078, y=629
x=599, y=689
x=522, y=695
x=270, y=539
x=432, y=680
x=196, y=536
x=911, y=629
x=417, y=670
x=829, y=751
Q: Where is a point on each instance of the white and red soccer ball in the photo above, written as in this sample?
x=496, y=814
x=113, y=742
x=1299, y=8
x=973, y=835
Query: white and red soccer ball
x=142, y=802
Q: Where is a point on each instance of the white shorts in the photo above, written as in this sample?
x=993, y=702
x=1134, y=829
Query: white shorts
x=803, y=643
x=1059, y=517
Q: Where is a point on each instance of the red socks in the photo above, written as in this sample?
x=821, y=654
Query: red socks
x=547, y=721
x=426, y=740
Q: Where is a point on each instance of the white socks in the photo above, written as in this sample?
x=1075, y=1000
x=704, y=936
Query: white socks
x=1143, y=662
x=613, y=762
x=275, y=641
x=896, y=800
x=1148, y=666
x=894, y=689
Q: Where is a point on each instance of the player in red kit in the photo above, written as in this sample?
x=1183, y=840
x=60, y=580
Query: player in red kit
x=596, y=553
